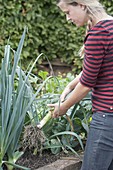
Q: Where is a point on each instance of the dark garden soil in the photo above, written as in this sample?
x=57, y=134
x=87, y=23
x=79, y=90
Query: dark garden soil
x=35, y=161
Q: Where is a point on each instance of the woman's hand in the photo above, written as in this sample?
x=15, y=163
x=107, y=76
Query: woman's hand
x=59, y=110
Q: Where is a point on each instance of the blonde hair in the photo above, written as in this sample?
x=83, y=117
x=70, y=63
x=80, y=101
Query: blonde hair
x=92, y=6
x=82, y=50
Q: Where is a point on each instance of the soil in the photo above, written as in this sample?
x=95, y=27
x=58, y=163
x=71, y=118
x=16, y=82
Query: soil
x=35, y=161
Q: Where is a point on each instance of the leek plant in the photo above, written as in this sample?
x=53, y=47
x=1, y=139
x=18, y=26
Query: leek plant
x=15, y=102
x=12, y=104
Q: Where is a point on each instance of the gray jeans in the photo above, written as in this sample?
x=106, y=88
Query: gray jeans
x=99, y=148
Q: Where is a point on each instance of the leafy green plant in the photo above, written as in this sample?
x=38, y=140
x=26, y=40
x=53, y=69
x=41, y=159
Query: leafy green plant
x=66, y=132
x=70, y=131
x=16, y=100
x=12, y=105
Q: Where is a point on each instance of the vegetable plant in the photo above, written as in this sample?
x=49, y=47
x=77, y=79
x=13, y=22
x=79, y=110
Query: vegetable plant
x=66, y=132
x=12, y=107
x=16, y=100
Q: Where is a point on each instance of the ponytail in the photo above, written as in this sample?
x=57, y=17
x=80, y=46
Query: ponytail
x=88, y=27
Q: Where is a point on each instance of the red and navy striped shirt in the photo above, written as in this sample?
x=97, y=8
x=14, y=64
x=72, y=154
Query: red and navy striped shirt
x=98, y=65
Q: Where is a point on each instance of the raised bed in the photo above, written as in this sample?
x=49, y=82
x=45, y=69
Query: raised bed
x=65, y=163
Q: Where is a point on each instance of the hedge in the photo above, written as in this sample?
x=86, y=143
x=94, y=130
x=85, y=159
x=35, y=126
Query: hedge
x=48, y=30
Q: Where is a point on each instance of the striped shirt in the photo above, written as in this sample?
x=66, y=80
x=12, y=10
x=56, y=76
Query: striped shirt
x=98, y=65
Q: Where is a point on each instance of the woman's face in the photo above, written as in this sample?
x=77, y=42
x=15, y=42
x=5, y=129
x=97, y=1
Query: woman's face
x=76, y=14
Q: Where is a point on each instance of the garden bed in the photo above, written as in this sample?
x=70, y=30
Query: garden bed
x=38, y=162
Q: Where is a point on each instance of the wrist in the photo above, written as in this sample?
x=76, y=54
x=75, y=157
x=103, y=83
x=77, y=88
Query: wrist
x=64, y=107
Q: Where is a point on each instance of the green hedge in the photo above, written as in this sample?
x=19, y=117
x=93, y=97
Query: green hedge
x=48, y=31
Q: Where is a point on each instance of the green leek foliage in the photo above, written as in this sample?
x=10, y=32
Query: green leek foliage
x=12, y=106
x=16, y=99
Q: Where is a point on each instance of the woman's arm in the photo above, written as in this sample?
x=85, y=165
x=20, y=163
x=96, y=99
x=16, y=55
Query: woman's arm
x=79, y=92
x=70, y=87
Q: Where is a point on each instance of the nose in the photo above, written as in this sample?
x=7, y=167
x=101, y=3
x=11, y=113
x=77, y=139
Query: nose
x=67, y=17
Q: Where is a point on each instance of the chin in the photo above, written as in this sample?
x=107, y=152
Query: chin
x=78, y=25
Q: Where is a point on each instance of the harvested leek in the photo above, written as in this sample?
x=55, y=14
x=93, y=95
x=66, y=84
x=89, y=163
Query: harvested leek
x=45, y=120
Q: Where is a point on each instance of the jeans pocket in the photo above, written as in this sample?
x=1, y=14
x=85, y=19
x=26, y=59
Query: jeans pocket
x=98, y=120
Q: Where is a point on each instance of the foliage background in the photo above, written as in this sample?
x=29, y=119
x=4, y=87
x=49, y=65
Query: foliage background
x=48, y=31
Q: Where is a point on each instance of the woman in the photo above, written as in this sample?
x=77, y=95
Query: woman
x=97, y=75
